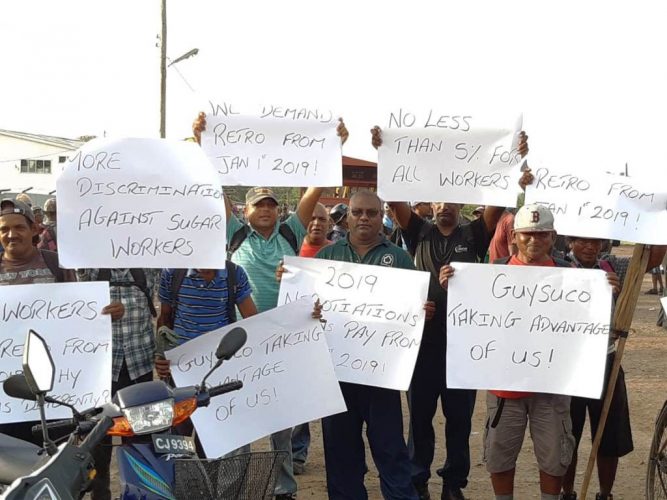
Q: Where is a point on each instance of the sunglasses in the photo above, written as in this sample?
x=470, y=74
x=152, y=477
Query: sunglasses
x=370, y=212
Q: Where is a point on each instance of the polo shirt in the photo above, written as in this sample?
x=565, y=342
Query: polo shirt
x=385, y=253
x=202, y=305
x=260, y=258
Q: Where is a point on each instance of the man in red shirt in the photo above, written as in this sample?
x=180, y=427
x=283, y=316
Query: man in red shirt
x=316, y=236
x=508, y=413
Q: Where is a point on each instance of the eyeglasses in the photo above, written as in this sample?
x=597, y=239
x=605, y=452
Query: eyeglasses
x=370, y=212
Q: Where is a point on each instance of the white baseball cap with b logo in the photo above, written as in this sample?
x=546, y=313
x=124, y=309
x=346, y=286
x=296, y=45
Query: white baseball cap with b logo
x=533, y=218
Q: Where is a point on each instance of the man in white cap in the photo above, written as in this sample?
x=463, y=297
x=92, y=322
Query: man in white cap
x=509, y=412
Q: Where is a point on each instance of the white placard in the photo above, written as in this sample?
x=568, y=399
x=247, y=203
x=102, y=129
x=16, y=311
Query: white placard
x=607, y=206
x=458, y=159
x=268, y=151
x=373, y=332
x=286, y=372
x=663, y=301
x=147, y=203
x=68, y=317
x=528, y=328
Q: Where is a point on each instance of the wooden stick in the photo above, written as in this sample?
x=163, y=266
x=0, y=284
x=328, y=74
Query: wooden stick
x=623, y=313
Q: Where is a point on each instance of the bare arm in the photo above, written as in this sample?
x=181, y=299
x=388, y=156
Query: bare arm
x=247, y=308
x=491, y=217
x=307, y=204
x=166, y=316
x=656, y=256
x=402, y=213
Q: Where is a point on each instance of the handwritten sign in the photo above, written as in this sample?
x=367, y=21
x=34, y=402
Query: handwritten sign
x=373, y=330
x=148, y=203
x=286, y=372
x=270, y=151
x=459, y=159
x=68, y=316
x=602, y=205
x=526, y=328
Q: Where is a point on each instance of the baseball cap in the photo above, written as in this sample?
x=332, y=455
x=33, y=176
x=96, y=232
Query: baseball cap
x=9, y=206
x=257, y=194
x=533, y=218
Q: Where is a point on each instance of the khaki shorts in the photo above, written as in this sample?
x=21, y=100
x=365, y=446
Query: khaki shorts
x=550, y=429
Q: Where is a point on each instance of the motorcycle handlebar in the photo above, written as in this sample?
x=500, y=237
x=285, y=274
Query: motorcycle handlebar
x=68, y=424
x=234, y=385
x=96, y=436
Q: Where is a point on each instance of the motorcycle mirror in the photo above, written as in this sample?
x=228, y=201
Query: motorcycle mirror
x=233, y=340
x=38, y=367
x=17, y=387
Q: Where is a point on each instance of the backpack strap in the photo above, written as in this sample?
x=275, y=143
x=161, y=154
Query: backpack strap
x=51, y=261
x=231, y=291
x=242, y=233
x=286, y=232
x=138, y=280
x=237, y=240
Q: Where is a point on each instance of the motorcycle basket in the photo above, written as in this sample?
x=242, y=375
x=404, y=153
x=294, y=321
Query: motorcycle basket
x=248, y=476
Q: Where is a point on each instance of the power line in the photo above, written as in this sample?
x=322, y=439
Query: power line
x=40, y=156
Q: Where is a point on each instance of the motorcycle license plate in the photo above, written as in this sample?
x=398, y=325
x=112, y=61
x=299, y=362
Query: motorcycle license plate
x=170, y=443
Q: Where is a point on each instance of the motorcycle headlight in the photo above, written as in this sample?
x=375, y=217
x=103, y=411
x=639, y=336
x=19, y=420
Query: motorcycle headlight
x=152, y=417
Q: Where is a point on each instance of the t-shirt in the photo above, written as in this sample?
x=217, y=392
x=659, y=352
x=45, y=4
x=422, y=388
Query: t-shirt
x=260, y=258
x=308, y=250
x=499, y=246
x=202, y=305
x=432, y=250
x=514, y=261
x=32, y=272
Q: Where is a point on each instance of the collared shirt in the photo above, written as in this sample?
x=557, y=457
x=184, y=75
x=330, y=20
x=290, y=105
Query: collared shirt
x=260, y=258
x=133, y=338
x=384, y=254
x=201, y=306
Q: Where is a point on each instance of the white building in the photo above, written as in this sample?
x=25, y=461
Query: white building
x=32, y=162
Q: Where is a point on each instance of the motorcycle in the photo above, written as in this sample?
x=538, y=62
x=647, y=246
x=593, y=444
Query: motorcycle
x=154, y=461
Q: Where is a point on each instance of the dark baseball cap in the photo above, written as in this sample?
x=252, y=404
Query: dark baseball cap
x=9, y=206
x=257, y=194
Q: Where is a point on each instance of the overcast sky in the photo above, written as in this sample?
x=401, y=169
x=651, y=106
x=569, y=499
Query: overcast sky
x=589, y=76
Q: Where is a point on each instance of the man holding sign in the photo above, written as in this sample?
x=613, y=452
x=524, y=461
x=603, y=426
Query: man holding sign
x=258, y=247
x=379, y=408
x=508, y=411
x=434, y=245
x=23, y=264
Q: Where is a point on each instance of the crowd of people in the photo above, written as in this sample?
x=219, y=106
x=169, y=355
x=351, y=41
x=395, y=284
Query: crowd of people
x=424, y=236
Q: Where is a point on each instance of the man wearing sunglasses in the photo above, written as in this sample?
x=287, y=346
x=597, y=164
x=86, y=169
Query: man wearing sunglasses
x=379, y=408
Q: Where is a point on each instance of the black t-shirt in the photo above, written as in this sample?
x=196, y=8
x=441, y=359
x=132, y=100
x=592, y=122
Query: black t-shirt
x=432, y=250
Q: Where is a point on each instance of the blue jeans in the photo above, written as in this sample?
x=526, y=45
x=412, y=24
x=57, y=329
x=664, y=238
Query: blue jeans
x=300, y=443
x=282, y=441
x=344, y=451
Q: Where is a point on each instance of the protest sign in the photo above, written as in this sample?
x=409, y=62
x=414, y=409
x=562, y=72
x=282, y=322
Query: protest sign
x=663, y=301
x=375, y=316
x=598, y=205
x=148, y=203
x=269, y=151
x=286, y=372
x=527, y=328
x=68, y=317
x=458, y=159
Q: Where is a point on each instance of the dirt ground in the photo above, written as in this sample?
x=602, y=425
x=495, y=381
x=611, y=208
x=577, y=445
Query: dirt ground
x=644, y=362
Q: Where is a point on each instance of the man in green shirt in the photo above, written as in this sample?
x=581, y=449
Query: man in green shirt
x=259, y=247
x=379, y=408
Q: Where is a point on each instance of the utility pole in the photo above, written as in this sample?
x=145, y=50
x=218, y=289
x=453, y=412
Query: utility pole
x=163, y=70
